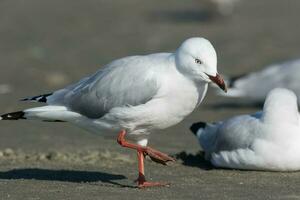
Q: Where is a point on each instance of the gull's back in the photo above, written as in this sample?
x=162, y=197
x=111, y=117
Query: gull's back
x=238, y=132
x=128, y=81
x=234, y=133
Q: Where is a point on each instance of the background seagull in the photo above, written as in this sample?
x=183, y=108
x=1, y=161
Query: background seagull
x=135, y=95
x=267, y=140
x=254, y=87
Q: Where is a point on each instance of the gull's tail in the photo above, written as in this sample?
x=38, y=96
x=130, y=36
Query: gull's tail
x=206, y=134
x=13, y=116
x=199, y=126
x=44, y=113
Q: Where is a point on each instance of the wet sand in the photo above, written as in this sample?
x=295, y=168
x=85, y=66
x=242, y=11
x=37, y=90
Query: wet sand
x=46, y=45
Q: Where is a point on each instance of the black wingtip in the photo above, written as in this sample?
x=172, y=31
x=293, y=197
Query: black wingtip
x=39, y=98
x=233, y=79
x=13, y=116
x=25, y=99
x=196, y=126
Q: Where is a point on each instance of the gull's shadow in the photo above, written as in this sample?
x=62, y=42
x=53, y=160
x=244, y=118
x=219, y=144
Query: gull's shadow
x=63, y=175
x=194, y=160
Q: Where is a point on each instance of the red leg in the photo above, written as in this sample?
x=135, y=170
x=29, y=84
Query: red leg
x=154, y=155
x=141, y=180
x=121, y=140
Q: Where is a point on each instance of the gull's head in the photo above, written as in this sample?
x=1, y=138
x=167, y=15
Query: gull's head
x=197, y=58
x=281, y=106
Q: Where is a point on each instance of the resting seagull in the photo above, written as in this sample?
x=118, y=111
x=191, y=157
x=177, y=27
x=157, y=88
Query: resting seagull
x=134, y=96
x=254, y=87
x=267, y=140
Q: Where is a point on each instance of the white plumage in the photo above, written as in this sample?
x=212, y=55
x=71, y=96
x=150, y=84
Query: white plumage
x=267, y=140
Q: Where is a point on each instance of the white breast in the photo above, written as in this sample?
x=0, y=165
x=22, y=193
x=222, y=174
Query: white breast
x=180, y=97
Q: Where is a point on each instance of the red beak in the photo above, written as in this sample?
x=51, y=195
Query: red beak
x=219, y=81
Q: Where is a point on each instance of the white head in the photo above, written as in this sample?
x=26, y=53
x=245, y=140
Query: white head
x=197, y=58
x=281, y=107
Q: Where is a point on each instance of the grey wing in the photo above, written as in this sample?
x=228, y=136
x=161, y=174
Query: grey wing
x=125, y=82
x=238, y=132
x=228, y=134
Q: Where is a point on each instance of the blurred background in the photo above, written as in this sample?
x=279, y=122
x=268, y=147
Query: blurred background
x=45, y=45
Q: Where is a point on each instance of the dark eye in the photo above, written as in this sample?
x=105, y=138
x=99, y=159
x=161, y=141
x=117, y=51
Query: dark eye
x=198, y=61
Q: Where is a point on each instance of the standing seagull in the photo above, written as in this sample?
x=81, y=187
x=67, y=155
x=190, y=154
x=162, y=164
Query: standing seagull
x=134, y=95
x=266, y=140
